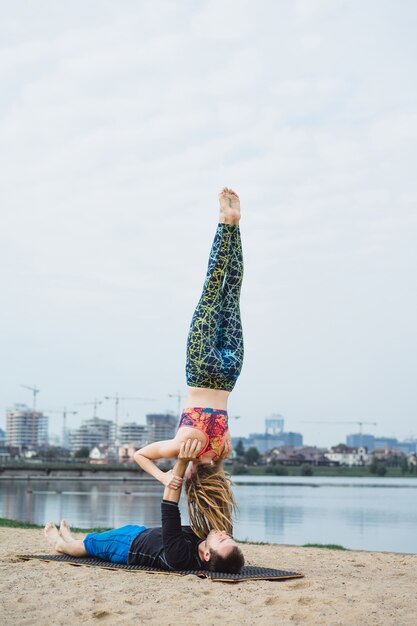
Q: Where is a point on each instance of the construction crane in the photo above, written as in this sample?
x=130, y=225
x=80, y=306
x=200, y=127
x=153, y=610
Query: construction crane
x=179, y=396
x=117, y=399
x=359, y=422
x=64, y=412
x=95, y=403
x=35, y=391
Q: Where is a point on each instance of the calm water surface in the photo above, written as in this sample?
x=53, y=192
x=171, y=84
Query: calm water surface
x=358, y=513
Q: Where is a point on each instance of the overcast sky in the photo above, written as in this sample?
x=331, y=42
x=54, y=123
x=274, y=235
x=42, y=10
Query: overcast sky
x=119, y=123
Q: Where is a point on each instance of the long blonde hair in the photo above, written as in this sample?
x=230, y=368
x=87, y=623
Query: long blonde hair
x=210, y=500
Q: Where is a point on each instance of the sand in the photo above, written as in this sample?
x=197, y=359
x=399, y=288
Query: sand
x=370, y=588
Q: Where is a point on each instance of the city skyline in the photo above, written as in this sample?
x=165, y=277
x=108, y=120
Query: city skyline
x=55, y=431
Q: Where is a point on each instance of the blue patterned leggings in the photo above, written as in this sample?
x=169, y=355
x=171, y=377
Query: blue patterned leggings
x=215, y=340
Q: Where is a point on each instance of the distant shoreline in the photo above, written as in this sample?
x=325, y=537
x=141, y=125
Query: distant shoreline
x=125, y=473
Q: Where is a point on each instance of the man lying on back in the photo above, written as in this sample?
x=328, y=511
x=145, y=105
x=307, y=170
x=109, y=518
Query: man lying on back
x=169, y=547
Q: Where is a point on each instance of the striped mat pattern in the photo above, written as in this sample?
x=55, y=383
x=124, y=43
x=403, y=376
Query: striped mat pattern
x=248, y=572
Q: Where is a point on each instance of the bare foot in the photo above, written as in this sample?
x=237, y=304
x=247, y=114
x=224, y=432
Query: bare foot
x=51, y=533
x=234, y=200
x=64, y=531
x=229, y=206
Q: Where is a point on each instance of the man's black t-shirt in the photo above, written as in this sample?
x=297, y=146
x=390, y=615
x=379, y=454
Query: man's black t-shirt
x=171, y=546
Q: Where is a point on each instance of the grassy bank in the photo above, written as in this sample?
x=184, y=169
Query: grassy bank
x=326, y=546
x=72, y=466
x=295, y=470
x=11, y=523
x=128, y=471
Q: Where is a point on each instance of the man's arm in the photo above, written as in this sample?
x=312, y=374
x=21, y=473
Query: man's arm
x=179, y=553
x=188, y=452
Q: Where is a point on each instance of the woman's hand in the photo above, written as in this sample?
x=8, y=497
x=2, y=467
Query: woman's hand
x=190, y=450
x=225, y=453
x=171, y=481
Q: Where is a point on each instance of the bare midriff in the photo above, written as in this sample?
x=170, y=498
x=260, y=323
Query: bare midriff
x=210, y=398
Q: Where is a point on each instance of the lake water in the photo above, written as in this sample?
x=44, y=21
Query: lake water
x=358, y=513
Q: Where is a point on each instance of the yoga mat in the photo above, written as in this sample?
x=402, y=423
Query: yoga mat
x=248, y=572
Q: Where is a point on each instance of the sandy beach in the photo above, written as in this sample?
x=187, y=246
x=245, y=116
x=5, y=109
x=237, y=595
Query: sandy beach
x=338, y=588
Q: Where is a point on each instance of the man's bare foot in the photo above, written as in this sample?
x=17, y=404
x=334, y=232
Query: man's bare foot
x=229, y=207
x=64, y=531
x=52, y=535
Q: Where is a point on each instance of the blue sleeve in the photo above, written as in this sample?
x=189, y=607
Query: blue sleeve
x=178, y=551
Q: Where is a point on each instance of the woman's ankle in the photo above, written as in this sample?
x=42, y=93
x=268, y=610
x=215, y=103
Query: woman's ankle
x=232, y=217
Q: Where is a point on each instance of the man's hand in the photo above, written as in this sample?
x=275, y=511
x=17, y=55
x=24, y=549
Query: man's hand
x=190, y=450
x=225, y=453
x=171, y=481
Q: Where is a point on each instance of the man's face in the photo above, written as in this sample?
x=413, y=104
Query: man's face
x=220, y=542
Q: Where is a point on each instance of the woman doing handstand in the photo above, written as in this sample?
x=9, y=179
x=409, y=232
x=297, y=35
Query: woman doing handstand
x=214, y=362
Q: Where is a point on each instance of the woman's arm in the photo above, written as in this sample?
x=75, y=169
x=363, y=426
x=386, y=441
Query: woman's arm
x=146, y=456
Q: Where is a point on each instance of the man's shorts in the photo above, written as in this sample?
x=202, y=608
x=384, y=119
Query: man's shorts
x=112, y=545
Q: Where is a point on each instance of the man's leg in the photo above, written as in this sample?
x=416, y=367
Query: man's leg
x=74, y=547
x=64, y=531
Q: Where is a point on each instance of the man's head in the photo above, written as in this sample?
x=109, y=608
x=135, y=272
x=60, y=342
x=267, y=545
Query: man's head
x=221, y=553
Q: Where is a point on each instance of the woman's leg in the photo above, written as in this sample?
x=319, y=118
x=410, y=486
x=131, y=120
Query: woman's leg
x=203, y=356
x=231, y=335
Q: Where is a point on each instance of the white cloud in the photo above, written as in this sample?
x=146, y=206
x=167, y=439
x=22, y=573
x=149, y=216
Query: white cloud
x=119, y=127
x=23, y=55
x=225, y=19
x=316, y=8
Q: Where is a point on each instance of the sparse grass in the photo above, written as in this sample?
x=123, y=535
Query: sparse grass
x=11, y=523
x=341, y=471
x=328, y=546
